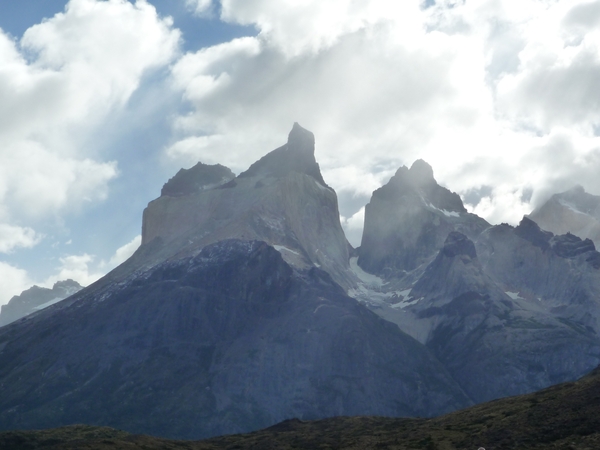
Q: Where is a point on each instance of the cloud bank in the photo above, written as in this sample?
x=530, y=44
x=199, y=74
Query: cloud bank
x=59, y=84
x=498, y=96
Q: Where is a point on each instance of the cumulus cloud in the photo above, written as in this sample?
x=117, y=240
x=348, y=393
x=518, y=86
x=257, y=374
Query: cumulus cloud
x=353, y=226
x=559, y=69
x=247, y=94
x=13, y=281
x=63, y=81
x=123, y=253
x=85, y=268
x=57, y=85
x=12, y=237
x=498, y=93
x=78, y=268
x=202, y=8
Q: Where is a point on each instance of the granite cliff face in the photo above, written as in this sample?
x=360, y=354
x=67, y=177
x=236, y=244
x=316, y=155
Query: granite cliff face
x=408, y=220
x=281, y=199
x=35, y=299
x=574, y=211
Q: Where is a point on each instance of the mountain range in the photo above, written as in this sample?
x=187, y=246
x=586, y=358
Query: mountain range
x=245, y=305
x=574, y=211
x=36, y=298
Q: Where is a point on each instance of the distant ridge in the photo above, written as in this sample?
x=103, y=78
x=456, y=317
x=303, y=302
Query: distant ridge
x=35, y=299
x=574, y=211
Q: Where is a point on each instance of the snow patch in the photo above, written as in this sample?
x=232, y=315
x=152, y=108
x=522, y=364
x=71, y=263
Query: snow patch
x=49, y=303
x=407, y=302
x=371, y=290
x=317, y=308
x=367, y=278
x=443, y=211
x=450, y=213
x=280, y=249
x=514, y=295
x=571, y=207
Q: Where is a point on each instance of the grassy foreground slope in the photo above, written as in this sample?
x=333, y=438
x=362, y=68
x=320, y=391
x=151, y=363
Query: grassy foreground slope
x=565, y=416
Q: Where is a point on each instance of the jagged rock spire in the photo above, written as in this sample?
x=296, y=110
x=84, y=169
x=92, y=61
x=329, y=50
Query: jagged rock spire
x=297, y=155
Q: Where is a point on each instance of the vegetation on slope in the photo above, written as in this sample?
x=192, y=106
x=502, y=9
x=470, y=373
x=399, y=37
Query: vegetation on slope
x=566, y=416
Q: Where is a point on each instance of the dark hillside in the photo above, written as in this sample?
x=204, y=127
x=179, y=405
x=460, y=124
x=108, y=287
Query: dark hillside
x=566, y=416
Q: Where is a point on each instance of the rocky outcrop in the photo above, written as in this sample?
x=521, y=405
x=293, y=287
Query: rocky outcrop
x=561, y=273
x=507, y=310
x=281, y=199
x=35, y=299
x=455, y=271
x=231, y=340
x=297, y=155
x=197, y=179
x=408, y=220
x=574, y=211
x=494, y=344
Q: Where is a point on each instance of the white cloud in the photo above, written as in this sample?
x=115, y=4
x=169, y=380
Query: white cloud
x=83, y=268
x=86, y=269
x=498, y=93
x=202, y=8
x=123, y=253
x=38, y=182
x=58, y=85
x=13, y=281
x=353, y=226
x=12, y=237
x=75, y=267
x=64, y=81
x=297, y=27
x=559, y=69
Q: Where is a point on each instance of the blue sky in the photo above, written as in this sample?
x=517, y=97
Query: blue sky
x=101, y=101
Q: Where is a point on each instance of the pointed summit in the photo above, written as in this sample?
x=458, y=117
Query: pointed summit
x=408, y=220
x=298, y=155
x=531, y=231
x=421, y=173
x=419, y=182
x=301, y=140
x=574, y=211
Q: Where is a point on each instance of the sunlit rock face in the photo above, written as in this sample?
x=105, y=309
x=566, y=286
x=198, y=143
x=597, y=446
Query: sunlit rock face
x=281, y=199
x=574, y=211
x=230, y=340
x=408, y=220
x=35, y=299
